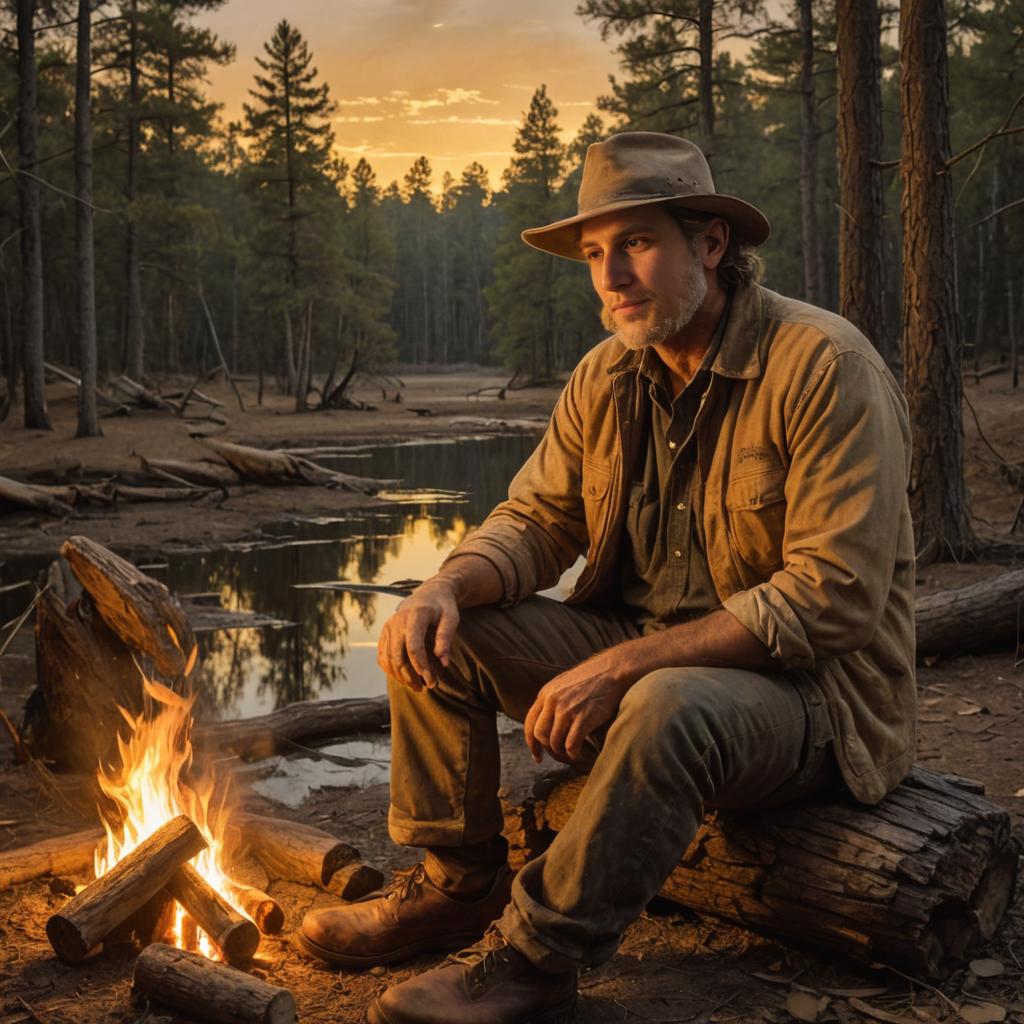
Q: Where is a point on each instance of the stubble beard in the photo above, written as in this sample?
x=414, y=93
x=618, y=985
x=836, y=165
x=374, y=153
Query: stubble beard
x=641, y=334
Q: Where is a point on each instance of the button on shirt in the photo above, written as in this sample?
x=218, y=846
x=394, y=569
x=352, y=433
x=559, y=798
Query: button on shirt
x=664, y=567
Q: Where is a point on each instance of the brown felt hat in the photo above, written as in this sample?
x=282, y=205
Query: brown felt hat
x=640, y=168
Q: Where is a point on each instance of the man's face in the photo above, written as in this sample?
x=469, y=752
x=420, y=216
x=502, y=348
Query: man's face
x=645, y=272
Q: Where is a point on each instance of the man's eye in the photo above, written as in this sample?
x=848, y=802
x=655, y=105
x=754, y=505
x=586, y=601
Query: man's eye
x=592, y=254
x=633, y=243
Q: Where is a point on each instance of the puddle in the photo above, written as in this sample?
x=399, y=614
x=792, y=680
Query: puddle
x=331, y=649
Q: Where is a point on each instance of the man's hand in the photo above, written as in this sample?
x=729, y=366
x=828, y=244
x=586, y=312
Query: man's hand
x=571, y=706
x=419, y=634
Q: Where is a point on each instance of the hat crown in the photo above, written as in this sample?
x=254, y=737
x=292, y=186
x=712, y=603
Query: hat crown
x=642, y=166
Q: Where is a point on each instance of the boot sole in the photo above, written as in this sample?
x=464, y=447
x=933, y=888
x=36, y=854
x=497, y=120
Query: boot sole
x=393, y=956
x=564, y=1013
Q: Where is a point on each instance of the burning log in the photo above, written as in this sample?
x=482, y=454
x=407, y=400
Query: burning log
x=63, y=855
x=234, y=935
x=915, y=880
x=138, y=608
x=263, y=909
x=301, y=722
x=209, y=991
x=301, y=853
x=89, y=917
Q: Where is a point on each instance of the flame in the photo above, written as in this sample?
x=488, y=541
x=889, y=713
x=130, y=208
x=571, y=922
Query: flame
x=154, y=782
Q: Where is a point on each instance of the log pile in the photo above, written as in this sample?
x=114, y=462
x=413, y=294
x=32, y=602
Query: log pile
x=915, y=881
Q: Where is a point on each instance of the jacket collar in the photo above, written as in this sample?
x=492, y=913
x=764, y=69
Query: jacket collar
x=739, y=355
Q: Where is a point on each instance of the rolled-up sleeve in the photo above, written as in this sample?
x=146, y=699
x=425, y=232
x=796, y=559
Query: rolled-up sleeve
x=538, y=532
x=849, y=450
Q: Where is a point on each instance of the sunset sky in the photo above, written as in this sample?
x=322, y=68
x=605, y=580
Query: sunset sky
x=446, y=78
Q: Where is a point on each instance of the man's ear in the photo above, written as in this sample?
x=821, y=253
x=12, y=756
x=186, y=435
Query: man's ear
x=714, y=242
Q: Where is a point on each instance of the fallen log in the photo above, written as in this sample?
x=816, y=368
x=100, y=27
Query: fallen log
x=138, y=608
x=88, y=918
x=142, y=396
x=267, y=466
x=32, y=496
x=915, y=881
x=212, y=992
x=206, y=472
x=127, y=492
x=70, y=378
x=63, y=855
x=979, y=615
x=263, y=909
x=301, y=722
x=301, y=853
x=234, y=935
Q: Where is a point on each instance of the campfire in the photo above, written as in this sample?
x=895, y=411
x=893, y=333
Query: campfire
x=164, y=864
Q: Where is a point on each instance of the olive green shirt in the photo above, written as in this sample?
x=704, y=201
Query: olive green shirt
x=665, y=573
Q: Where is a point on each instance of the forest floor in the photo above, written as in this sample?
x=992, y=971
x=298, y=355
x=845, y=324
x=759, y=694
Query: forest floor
x=672, y=966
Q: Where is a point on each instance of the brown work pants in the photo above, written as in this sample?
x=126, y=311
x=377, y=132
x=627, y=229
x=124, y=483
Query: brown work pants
x=684, y=739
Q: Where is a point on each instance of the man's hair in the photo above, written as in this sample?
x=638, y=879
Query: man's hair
x=739, y=265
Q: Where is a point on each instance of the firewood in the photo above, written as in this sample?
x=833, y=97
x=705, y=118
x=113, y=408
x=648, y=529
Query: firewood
x=985, y=613
x=354, y=881
x=138, y=608
x=914, y=881
x=63, y=855
x=263, y=909
x=301, y=722
x=301, y=853
x=89, y=917
x=234, y=935
x=209, y=991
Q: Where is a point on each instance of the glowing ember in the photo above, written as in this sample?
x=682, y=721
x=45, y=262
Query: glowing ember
x=153, y=784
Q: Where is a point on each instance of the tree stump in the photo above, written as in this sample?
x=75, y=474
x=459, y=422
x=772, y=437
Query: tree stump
x=914, y=881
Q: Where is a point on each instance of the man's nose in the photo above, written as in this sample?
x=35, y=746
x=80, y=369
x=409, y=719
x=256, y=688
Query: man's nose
x=615, y=273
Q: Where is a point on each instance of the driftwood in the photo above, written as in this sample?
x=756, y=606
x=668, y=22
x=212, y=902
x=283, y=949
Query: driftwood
x=208, y=991
x=914, y=881
x=88, y=918
x=263, y=909
x=204, y=472
x=234, y=935
x=954, y=621
x=267, y=466
x=301, y=722
x=34, y=497
x=301, y=853
x=138, y=608
x=64, y=855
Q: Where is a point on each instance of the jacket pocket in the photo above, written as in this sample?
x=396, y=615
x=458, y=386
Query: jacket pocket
x=595, y=480
x=756, y=505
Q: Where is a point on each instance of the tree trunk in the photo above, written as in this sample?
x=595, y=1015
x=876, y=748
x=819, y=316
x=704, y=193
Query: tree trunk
x=932, y=345
x=289, y=354
x=862, y=208
x=135, y=339
x=88, y=418
x=30, y=206
x=705, y=88
x=811, y=236
x=1011, y=328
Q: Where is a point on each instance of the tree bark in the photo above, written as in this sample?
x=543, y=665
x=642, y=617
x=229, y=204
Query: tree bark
x=932, y=345
x=862, y=207
x=212, y=992
x=88, y=418
x=916, y=880
x=263, y=909
x=809, y=132
x=135, y=339
x=89, y=917
x=30, y=208
x=64, y=855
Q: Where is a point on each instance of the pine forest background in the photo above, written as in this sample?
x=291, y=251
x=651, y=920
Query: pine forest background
x=308, y=270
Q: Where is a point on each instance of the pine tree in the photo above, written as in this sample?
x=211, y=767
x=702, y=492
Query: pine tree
x=522, y=301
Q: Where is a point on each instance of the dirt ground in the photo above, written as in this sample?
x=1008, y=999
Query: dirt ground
x=673, y=966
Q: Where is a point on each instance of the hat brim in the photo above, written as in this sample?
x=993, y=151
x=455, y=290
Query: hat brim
x=561, y=238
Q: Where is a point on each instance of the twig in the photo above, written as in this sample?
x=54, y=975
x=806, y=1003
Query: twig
x=1003, y=129
x=916, y=981
x=20, y=754
x=20, y=621
x=989, y=216
x=32, y=1013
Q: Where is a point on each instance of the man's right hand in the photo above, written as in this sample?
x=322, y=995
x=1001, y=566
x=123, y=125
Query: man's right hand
x=420, y=634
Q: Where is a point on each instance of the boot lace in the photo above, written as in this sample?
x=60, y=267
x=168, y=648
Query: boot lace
x=484, y=957
x=405, y=882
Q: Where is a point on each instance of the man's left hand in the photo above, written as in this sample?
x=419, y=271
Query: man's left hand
x=572, y=705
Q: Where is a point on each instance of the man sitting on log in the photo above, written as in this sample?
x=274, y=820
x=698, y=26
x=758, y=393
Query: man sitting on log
x=734, y=464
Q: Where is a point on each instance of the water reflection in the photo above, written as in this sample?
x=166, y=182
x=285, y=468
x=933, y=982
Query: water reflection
x=331, y=651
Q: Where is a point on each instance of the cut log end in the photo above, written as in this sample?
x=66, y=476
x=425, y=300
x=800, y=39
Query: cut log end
x=354, y=881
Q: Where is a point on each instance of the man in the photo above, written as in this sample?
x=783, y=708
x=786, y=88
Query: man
x=734, y=464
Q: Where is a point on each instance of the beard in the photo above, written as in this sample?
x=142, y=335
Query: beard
x=643, y=333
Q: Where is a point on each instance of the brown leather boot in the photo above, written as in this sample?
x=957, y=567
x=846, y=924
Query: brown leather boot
x=413, y=915
x=489, y=983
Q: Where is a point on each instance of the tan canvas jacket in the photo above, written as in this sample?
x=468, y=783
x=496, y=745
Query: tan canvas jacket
x=804, y=458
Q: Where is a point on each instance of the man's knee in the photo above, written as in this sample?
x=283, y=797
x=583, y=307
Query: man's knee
x=672, y=704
